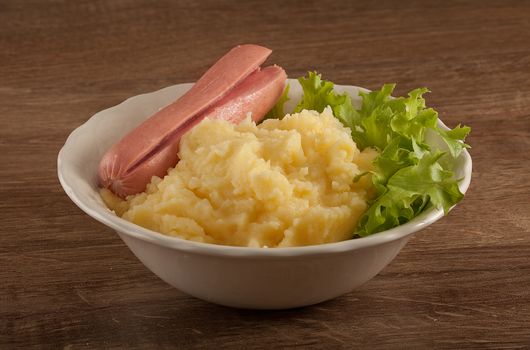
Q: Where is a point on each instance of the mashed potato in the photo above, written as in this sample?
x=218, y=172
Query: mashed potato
x=282, y=183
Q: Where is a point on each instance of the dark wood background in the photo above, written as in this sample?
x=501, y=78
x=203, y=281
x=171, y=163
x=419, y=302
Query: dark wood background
x=69, y=282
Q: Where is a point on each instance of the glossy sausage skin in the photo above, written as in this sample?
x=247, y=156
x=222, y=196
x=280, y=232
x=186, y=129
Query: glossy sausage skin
x=257, y=94
x=230, y=89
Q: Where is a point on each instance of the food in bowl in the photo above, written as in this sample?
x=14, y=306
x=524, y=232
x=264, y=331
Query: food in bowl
x=396, y=175
x=281, y=183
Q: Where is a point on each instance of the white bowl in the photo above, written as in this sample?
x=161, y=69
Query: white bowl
x=256, y=278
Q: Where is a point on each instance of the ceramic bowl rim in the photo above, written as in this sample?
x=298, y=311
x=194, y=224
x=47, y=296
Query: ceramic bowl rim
x=108, y=218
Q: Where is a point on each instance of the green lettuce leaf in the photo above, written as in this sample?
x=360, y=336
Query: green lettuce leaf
x=318, y=94
x=408, y=191
x=454, y=138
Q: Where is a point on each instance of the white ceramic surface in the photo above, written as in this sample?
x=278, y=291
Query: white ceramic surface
x=233, y=276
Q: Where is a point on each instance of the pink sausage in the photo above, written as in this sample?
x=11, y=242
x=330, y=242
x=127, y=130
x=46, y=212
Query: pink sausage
x=152, y=147
x=257, y=94
x=141, y=144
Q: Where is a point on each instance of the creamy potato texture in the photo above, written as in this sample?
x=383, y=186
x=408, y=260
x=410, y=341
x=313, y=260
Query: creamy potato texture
x=281, y=183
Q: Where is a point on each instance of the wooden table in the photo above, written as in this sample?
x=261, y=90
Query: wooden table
x=69, y=282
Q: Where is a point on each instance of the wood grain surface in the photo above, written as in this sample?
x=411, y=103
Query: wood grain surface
x=69, y=282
